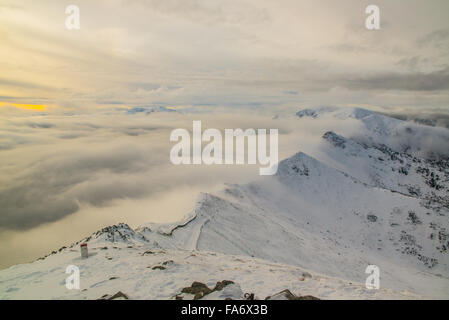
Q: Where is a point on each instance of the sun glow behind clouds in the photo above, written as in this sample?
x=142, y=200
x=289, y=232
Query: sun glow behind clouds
x=33, y=107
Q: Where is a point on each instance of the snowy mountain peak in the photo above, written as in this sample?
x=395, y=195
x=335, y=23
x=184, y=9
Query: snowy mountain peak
x=148, y=110
x=335, y=139
x=383, y=167
x=375, y=129
x=296, y=165
x=342, y=113
x=116, y=233
x=307, y=113
x=359, y=113
x=374, y=122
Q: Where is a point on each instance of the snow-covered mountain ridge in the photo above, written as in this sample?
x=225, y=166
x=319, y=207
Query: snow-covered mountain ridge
x=378, y=129
x=357, y=202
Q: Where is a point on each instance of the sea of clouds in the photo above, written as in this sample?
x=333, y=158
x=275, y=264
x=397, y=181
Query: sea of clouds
x=64, y=175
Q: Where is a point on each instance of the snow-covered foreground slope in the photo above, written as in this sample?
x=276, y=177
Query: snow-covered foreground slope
x=141, y=271
x=352, y=205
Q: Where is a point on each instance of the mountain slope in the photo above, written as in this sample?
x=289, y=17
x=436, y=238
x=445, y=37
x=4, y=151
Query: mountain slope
x=309, y=207
x=383, y=167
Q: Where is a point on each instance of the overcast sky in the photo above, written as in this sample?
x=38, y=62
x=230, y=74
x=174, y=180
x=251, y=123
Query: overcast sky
x=233, y=53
